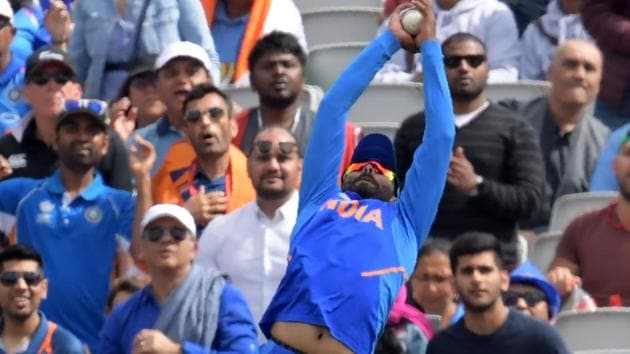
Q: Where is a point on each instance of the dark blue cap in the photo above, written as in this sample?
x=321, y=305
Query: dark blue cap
x=375, y=147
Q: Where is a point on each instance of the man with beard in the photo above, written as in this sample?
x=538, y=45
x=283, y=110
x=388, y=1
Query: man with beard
x=596, y=245
x=27, y=151
x=251, y=244
x=216, y=181
x=276, y=66
x=353, y=244
x=73, y=220
x=496, y=172
x=23, y=327
x=488, y=326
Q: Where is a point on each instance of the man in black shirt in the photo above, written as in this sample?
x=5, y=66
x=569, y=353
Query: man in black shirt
x=27, y=151
x=496, y=172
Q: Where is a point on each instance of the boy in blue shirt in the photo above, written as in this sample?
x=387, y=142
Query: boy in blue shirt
x=353, y=245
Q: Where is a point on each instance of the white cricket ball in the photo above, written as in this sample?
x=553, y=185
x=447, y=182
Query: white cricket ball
x=410, y=20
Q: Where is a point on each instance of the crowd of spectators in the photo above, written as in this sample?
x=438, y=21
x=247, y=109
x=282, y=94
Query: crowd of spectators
x=116, y=132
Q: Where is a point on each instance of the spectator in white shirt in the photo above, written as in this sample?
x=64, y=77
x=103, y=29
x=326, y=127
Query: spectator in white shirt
x=251, y=244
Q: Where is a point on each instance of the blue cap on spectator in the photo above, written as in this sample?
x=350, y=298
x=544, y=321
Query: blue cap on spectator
x=528, y=273
x=375, y=147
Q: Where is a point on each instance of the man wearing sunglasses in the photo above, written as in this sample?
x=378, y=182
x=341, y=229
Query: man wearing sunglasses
x=28, y=149
x=531, y=293
x=180, y=67
x=185, y=309
x=251, y=243
x=214, y=180
x=496, y=173
x=23, y=327
x=74, y=220
x=353, y=243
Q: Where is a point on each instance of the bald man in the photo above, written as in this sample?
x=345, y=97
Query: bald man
x=570, y=137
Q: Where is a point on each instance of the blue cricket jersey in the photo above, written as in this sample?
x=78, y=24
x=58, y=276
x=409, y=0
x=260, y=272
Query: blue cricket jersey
x=77, y=241
x=348, y=256
x=12, y=106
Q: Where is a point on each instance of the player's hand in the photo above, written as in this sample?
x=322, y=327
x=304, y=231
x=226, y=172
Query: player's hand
x=151, y=341
x=406, y=40
x=563, y=280
x=205, y=206
x=461, y=173
x=142, y=157
x=5, y=167
x=124, y=117
x=427, y=26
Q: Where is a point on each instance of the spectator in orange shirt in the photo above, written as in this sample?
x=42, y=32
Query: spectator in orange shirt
x=215, y=181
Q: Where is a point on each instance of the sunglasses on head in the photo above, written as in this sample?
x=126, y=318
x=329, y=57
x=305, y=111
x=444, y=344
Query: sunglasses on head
x=96, y=106
x=454, y=61
x=11, y=278
x=42, y=78
x=195, y=116
x=358, y=166
x=263, y=148
x=155, y=233
x=532, y=298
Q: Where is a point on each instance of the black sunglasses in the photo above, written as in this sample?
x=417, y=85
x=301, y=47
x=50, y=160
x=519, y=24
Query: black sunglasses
x=263, y=148
x=195, y=115
x=42, y=79
x=454, y=61
x=533, y=297
x=155, y=233
x=11, y=278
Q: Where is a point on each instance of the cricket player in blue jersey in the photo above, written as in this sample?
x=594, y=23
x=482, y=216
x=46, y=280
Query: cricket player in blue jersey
x=353, y=245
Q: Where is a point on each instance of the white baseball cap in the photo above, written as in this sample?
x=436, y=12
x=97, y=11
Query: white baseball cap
x=183, y=50
x=6, y=10
x=176, y=212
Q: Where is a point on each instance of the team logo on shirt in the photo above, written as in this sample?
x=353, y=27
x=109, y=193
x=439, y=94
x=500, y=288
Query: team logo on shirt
x=352, y=209
x=93, y=214
x=45, y=212
x=14, y=95
x=17, y=160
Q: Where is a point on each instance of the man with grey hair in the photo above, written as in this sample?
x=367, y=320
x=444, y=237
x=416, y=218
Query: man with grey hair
x=570, y=137
x=184, y=309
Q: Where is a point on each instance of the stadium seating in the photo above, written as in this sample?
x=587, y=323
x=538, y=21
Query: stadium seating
x=305, y=5
x=246, y=97
x=326, y=62
x=603, y=329
x=569, y=206
x=382, y=107
x=544, y=249
x=339, y=25
x=522, y=90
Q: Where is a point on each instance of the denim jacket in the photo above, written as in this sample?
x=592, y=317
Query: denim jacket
x=166, y=21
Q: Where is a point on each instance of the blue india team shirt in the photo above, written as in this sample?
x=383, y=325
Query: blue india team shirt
x=348, y=256
x=77, y=241
x=12, y=106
